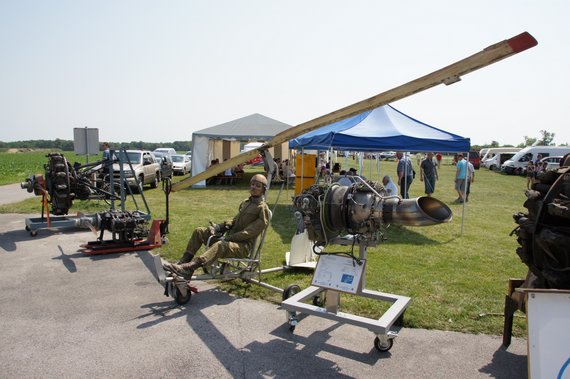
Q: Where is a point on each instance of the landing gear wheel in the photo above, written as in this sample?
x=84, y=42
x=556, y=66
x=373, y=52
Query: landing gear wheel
x=381, y=346
x=291, y=316
x=179, y=297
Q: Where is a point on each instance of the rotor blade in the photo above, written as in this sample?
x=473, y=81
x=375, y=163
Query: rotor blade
x=447, y=75
x=216, y=169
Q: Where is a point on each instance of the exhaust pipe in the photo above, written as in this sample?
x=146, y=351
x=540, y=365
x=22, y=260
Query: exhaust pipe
x=421, y=211
x=346, y=208
x=329, y=211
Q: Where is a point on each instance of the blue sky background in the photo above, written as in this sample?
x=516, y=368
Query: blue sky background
x=158, y=70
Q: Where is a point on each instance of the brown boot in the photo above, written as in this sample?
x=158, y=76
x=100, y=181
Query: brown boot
x=186, y=257
x=186, y=270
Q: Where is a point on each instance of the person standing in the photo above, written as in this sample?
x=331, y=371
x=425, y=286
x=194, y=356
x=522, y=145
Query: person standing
x=428, y=174
x=106, y=151
x=530, y=169
x=460, y=177
x=405, y=173
x=438, y=158
x=470, y=178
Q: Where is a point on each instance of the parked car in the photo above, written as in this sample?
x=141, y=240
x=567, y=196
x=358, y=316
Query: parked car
x=181, y=164
x=388, y=155
x=552, y=163
x=165, y=150
x=164, y=160
x=144, y=168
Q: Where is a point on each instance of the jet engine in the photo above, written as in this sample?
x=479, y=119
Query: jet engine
x=363, y=208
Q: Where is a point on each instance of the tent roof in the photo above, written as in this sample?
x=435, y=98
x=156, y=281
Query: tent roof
x=255, y=126
x=380, y=129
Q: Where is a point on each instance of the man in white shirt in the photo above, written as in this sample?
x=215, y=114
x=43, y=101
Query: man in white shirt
x=389, y=186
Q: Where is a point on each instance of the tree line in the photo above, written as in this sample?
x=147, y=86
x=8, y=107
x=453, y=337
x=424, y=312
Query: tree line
x=67, y=145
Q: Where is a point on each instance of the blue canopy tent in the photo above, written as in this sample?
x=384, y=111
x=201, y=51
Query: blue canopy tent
x=380, y=129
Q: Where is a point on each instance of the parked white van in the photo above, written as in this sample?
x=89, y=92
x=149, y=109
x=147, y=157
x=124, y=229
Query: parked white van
x=492, y=151
x=495, y=162
x=517, y=164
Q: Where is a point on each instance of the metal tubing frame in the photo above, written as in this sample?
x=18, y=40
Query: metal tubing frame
x=381, y=326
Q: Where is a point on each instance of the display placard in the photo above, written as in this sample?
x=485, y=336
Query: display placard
x=86, y=141
x=339, y=273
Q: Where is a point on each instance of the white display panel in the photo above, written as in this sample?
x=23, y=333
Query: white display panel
x=548, y=315
x=339, y=273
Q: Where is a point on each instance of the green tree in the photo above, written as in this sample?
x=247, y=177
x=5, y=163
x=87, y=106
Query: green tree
x=528, y=141
x=494, y=144
x=546, y=138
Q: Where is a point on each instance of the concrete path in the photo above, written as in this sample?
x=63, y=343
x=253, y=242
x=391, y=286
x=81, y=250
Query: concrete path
x=67, y=315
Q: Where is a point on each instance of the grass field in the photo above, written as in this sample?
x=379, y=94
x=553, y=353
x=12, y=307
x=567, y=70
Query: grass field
x=457, y=280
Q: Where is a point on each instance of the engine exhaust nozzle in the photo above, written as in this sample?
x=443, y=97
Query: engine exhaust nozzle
x=421, y=211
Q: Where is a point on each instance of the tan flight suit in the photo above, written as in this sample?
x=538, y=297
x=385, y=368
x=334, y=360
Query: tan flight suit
x=243, y=229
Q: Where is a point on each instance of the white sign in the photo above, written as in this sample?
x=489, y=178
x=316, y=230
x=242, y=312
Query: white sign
x=339, y=273
x=548, y=317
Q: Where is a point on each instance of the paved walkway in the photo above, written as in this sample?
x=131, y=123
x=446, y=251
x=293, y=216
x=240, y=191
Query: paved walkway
x=65, y=314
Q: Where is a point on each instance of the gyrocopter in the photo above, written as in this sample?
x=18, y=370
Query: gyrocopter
x=353, y=215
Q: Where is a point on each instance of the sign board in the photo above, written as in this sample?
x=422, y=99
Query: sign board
x=86, y=141
x=338, y=273
x=548, y=317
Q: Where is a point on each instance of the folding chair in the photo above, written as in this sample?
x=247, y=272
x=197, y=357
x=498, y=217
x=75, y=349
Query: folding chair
x=243, y=268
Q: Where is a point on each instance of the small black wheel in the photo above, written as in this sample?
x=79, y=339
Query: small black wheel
x=154, y=183
x=140, y=187
x=319, y=301
x=179, y=297
x=293, y=289
x=34, y=233
x=383, y=347
x=27, y=228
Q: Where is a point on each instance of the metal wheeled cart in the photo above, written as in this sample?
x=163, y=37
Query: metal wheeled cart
x=339, y=274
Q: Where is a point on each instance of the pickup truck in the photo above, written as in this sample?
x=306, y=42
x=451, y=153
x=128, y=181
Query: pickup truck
x=143, y=162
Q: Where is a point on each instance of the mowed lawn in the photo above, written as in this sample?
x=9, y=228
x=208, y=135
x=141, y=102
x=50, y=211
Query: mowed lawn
x=456, y=273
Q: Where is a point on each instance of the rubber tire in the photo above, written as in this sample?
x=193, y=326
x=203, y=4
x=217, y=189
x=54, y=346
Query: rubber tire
x=178, y=297
x=140, y=188
x=293, y=289
x=319, y=301
x=381, y=347
x=154, y=183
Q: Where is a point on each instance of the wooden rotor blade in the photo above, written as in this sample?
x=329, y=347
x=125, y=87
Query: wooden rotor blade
x=447, y=75
x=216, y=169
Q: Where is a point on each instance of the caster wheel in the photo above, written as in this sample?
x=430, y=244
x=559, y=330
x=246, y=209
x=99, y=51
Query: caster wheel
x=319, y=301
x=33, y=233
x=291, y=316
x=293, y=289
x=383, y=347
x=179, y=297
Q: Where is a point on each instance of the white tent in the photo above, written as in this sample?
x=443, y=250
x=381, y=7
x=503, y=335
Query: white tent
x=222, y=141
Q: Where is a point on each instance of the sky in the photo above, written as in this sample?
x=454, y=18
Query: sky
x=155, y=71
